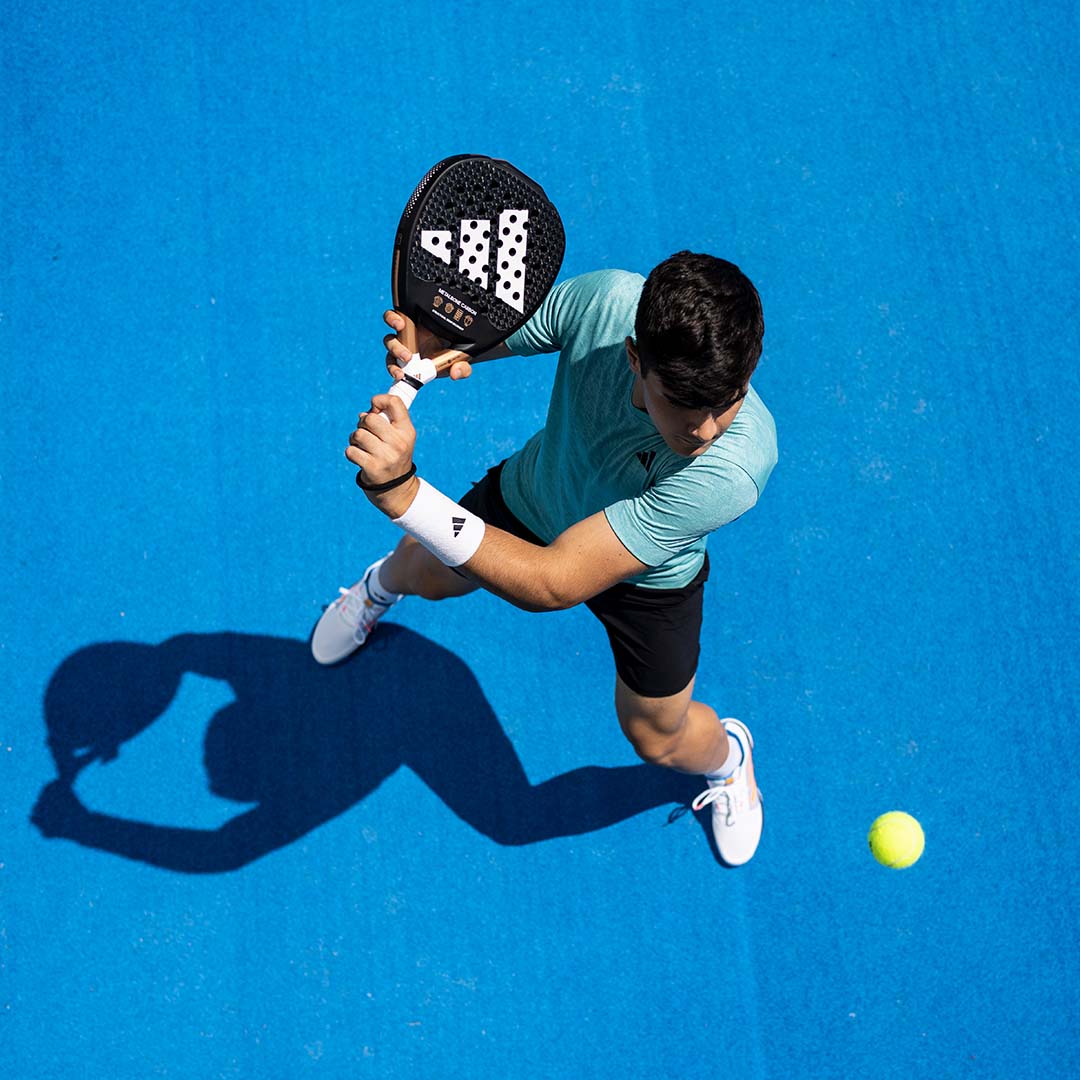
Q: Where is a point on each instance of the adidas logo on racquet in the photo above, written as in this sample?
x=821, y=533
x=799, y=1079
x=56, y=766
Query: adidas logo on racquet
x=474, y=251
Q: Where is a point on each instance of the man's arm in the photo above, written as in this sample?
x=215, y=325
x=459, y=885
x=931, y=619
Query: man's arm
x=579, y=563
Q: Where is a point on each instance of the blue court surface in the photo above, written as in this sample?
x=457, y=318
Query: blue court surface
x=442, y=859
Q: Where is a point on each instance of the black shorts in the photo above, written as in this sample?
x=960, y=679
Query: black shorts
x=654, y=633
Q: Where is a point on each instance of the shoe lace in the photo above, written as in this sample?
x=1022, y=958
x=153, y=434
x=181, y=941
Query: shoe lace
x=714, y=794
x=352, y=606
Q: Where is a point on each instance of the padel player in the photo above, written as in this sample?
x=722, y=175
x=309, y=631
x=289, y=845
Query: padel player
x=654, y=439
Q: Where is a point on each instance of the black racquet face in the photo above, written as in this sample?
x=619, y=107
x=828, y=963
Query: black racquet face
x=478, y=248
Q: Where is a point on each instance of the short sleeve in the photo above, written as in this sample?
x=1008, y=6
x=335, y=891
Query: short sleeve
x=541, y=334
x=580, y=305
x=674, y=514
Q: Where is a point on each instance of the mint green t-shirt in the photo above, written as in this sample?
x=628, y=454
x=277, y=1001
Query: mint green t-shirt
x=598, y=452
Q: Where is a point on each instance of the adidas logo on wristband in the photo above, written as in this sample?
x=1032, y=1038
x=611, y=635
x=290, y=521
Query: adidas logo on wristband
x=426, y=519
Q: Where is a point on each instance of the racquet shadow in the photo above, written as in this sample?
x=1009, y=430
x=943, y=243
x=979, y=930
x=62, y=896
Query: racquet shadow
x=307, y=743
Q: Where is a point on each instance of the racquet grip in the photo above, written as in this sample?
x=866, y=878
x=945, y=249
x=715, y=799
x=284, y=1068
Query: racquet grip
x=415, y=374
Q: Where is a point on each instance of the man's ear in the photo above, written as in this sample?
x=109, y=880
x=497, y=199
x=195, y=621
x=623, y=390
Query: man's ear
x=632, y=356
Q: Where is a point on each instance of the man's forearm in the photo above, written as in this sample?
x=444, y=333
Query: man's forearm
x=579, y=563
x=522, y=573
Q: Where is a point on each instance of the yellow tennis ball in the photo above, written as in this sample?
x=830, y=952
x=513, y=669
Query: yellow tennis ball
x=896, y=840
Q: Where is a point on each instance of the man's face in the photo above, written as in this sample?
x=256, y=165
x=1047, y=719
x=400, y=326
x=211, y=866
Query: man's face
x=689, y=432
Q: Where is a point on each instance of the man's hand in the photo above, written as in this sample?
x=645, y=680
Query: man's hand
x=382, y=446
x=397, y=355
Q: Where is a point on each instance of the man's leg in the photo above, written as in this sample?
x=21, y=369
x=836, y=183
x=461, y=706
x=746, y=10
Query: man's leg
x=676, y=732
x=687, y=735
x=411, y=570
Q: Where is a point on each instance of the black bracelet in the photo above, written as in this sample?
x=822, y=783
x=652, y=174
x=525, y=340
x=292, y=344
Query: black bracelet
x=388, y=486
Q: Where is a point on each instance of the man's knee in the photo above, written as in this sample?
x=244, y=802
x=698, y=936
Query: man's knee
x=429, y=578
x=654, y=726
x=439, y=582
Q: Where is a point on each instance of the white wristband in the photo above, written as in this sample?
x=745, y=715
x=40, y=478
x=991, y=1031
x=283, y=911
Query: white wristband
x=450, y=532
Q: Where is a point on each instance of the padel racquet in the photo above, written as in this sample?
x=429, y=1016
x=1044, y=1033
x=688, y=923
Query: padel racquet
x=478, y=248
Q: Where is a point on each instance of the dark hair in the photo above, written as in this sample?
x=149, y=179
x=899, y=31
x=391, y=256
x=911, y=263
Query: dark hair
x=699, y=328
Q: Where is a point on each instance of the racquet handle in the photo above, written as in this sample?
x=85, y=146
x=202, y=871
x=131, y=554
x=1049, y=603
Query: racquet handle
x=415, y=374
x=420, y=370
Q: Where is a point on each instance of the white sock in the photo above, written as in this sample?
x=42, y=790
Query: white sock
x=733, y=760
x=378, y=591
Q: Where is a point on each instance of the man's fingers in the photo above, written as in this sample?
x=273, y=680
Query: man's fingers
x=374, y=424
x=365, y=440
x=394, y=319
x=460, y=369
x=390, y=406
x=394, y=366
x=358, y=457
x=396, y=349
x=368, y=443
x=374, y=413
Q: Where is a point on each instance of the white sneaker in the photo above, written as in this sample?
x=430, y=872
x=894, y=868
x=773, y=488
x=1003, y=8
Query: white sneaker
x=347, y=622
x=737, y=817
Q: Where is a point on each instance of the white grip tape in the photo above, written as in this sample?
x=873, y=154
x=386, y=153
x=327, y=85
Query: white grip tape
x=416, y=371
x=450, y=532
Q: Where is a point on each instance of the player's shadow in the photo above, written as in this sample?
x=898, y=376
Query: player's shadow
x=306, y=743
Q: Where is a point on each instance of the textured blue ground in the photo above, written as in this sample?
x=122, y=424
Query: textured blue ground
x=454, y=867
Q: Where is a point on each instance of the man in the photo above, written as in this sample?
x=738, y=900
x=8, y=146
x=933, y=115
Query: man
x=654, y=438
